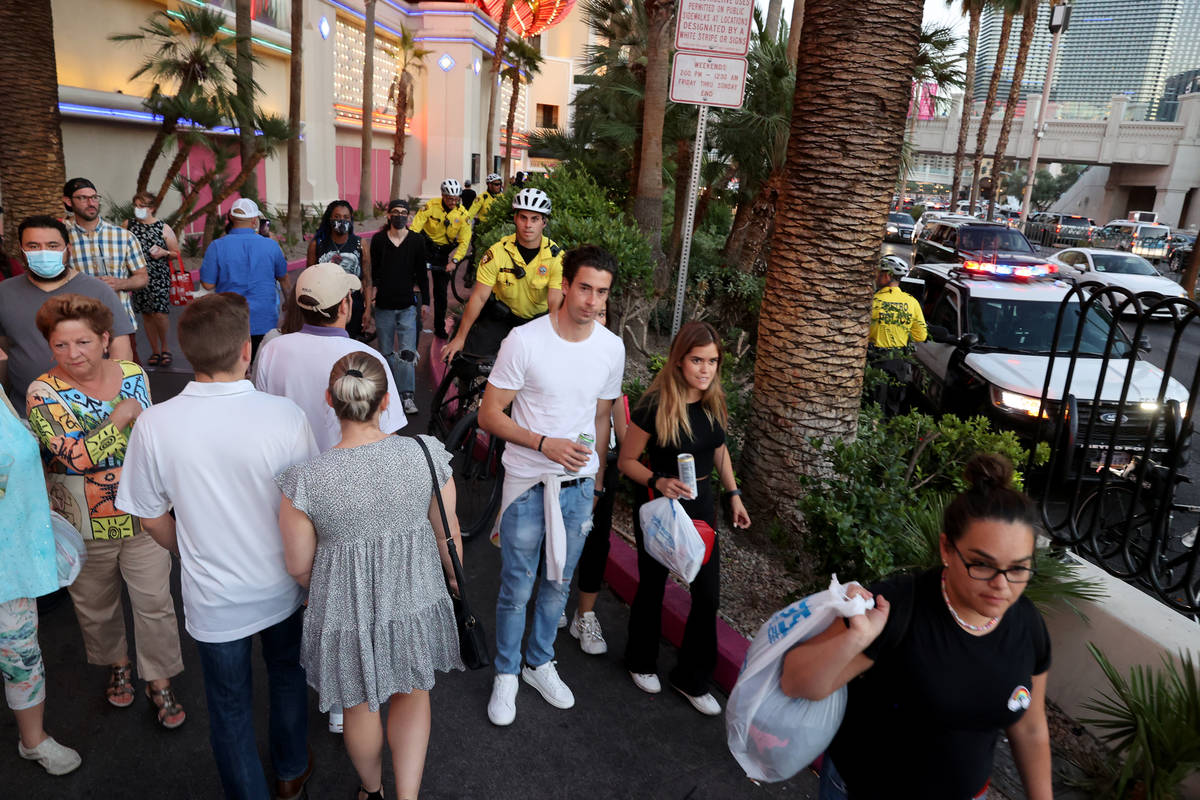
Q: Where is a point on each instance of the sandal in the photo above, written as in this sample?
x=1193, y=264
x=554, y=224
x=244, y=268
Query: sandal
x=165, y=359
x=363, y=794
x=166, y=708
x=120, y=686
x=153, y=361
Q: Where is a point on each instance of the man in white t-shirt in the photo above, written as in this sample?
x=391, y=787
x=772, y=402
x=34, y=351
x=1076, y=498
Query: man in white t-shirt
x=297, y=365
x=561, y=373
x=213, y=452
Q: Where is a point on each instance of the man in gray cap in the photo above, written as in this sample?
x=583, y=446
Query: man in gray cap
x=245, y=263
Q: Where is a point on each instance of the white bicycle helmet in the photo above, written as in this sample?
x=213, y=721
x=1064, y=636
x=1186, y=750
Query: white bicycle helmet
x=452, y=187
x=534, y=200
x=492, y=177
x=894, y=265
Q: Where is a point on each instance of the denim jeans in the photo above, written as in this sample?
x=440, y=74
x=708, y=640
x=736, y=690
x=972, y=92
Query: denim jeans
x=401, y=356
x=228, y=687
x=522, y=531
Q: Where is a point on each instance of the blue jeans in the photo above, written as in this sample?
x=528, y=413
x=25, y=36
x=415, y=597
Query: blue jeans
x=522, y=531
x=228, y=687
x=393, y=323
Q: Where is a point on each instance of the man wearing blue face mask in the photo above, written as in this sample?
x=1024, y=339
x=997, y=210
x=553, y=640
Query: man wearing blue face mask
x=46, y=252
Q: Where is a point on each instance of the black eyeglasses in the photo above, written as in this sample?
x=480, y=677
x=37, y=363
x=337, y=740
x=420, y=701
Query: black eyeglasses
x=986, y=572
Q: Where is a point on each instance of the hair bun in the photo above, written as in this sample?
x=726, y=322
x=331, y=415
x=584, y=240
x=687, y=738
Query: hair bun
x=988, y=471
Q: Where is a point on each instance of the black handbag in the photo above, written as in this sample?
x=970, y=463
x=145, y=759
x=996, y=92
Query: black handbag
x=472, y=639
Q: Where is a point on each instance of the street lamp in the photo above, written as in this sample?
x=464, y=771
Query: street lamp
x=1060, y=16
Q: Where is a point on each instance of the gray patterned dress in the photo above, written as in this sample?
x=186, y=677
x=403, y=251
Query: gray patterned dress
x=379, y=618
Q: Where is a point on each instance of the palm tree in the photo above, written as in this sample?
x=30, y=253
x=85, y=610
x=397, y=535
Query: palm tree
x=525, y=59
x=937, y=64
x=774, y=10
x=410, y=62
x=365, y=205
x=295, y=226
x=243, y=78
x=834, y=192
x=197, y=58
x=989, y=105
x=648, y=196
x=494, y=82
x=973, y=10
x=31, y=151
x=1029, y=14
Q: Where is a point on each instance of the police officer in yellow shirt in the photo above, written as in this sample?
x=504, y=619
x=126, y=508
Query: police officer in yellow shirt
x=896, y=320
x=519, y=278
x=447, y=229
x=495, y=188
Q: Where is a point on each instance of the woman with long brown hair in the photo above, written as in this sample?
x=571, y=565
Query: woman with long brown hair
x=683, y=411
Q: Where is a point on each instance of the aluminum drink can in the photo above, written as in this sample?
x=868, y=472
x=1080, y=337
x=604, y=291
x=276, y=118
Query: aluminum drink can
x=687, y=472
x=588, y=441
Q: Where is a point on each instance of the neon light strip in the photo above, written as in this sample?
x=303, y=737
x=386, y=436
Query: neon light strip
x=269, y=45
x=484, y=19
x=75, y=109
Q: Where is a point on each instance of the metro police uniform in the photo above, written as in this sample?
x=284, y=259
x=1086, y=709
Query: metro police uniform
x=520, y=290
x=896, y=319
x=449, y=235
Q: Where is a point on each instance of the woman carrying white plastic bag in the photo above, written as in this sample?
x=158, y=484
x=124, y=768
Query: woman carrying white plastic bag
x=670, y=537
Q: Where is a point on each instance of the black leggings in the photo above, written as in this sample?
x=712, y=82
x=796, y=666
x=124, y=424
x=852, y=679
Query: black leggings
x=594, y=558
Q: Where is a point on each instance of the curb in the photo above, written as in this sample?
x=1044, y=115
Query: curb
x=622, y=577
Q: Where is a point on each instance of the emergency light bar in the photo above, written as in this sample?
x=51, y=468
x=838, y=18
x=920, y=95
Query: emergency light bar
x=1019, y=271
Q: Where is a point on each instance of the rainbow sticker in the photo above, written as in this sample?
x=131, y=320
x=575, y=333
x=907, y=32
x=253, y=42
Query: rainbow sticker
x=1019, y=700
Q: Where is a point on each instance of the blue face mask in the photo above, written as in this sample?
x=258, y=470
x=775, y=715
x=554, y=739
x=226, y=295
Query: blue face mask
x=45, y=263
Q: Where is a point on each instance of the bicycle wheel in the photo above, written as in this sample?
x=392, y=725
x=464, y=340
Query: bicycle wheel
x=462, y=281
x=1117, y=529
x=478, y=474
x=443, y=412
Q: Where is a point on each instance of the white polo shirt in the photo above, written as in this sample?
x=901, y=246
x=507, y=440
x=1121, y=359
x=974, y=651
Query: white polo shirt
x=213, y=452
x=297, y=365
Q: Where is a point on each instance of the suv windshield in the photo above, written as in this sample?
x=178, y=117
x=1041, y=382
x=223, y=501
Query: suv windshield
x=1027, y=326
x=1126, y=264
x=992, y=240
x=903, y=219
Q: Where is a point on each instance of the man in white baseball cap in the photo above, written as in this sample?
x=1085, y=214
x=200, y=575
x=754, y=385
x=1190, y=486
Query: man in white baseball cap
x=243, y=262
x=297, y=365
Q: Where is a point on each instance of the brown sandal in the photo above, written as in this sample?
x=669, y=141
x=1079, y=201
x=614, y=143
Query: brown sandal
x=167, y=709
x=120, y=686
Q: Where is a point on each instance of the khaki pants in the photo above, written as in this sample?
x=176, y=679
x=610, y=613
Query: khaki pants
x=96, y=593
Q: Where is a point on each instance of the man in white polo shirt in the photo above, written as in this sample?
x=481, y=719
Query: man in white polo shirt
x=297, y=365
x=213, y=452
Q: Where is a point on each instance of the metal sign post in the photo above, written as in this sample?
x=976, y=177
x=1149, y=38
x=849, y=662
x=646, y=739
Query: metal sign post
x=689, y=221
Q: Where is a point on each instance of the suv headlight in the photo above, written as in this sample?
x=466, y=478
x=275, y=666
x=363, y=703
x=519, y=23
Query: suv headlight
x=892, y=229
x=1014, y=403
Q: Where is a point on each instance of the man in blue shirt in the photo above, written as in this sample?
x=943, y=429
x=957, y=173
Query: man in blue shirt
x=247, y=264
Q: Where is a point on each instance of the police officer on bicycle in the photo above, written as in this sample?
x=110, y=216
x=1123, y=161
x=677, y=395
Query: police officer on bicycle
x=896, y=319
x=519, y=278
x=447, y=229
x=495, y=188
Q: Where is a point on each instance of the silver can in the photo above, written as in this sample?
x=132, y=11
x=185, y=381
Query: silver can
x=687, y=472
x=588, y=441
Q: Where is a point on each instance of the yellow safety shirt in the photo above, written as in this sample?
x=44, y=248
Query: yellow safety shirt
x=895, y=316
x=444, y=227
x=482, y=203
x=526, y=296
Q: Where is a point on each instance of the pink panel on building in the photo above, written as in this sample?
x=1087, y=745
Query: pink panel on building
x=200, y=161
x=349, y=168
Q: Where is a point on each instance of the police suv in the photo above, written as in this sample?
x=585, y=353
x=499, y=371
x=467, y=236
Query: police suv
x=993, y=323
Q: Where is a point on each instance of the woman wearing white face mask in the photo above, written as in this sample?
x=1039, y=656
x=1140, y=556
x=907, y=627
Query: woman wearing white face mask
x=159, y=245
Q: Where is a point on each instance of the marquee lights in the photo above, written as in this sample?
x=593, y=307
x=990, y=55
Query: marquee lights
x=529, y=17
x=323, y=27
x=446, y=62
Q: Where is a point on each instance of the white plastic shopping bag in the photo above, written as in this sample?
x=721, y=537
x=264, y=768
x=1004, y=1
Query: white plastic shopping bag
x=771, y=735
x=69, y=550
x=670, y=537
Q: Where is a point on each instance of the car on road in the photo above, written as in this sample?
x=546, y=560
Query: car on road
x=1048, y=228
x=899, y=227
x=1146, y=239
x=1176, y=241
x=1181, y=256
x=995, y=334
x=1116, y=268
x=958, y=240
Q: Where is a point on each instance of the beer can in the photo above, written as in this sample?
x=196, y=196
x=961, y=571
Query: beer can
x=687, y=472
x=588, y=441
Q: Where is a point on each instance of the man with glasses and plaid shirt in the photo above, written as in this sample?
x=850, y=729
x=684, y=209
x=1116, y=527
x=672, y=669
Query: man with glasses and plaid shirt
x=101, y=249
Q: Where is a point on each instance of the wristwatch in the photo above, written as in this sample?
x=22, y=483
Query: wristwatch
x=599, y=492
x=654, y=478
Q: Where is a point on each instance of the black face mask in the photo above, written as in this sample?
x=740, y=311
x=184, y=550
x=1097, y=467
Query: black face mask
x=342, y=226
x=396, y=222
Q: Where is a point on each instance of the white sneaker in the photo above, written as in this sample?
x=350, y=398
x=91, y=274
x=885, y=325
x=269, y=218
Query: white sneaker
x=646, y=681
x=335, y=721
x=54, y=757
x=410, y=405
x=706, y=704
x=562, y=621
x=545, y=679
x=502, y=708
x=587, y=630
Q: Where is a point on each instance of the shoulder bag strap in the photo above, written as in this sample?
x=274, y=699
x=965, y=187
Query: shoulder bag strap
x=437, y=493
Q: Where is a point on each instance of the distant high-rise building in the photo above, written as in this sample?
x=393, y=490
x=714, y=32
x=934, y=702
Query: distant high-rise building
x=1112, y=47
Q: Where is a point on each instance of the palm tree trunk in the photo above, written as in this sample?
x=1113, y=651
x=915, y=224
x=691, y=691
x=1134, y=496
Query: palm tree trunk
x=989, y=106
x=794, y=31
x=647, y=201
x=184, y=149
x=294, y=226
x=758, y=227
x=974, y=12
x=1028, y=28
x=243, y=75
x=399, y=142
x=731, y=253
x=774, y=10
x=31, y=153
x=707, y=195
x=812, y=333
x=494, y=86
x=234, y=185
x=512, y=120
x=365, y=205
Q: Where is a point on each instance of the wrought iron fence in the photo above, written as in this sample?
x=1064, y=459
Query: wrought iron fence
x=1120, y=431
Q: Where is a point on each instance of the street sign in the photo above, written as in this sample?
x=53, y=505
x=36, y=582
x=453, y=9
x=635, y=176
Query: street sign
x=714, y=26
x=706, y=80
